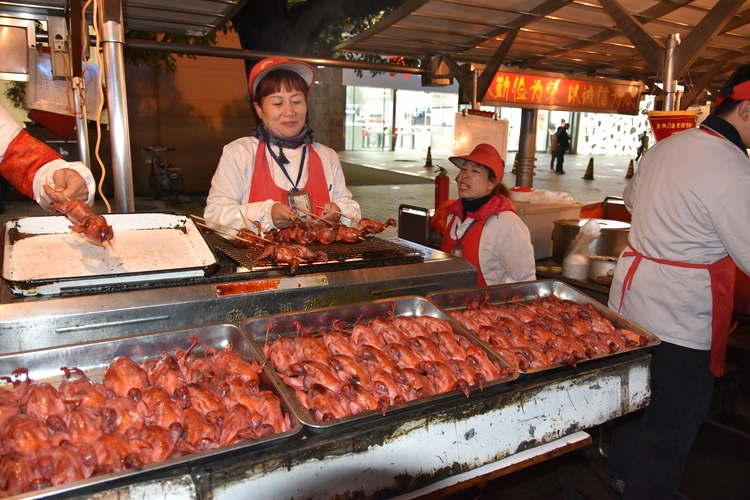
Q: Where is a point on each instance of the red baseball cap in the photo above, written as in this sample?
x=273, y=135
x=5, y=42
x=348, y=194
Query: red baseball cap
x=485, y=155
x=262, y=68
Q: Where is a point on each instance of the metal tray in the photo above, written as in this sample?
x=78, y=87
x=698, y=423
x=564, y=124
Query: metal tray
x=93, y=358
x=533, y=290
x=41, y=255
x=255, y=330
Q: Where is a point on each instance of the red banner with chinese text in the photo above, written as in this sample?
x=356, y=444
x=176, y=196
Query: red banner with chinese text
x=666, y=123
x=552, y=91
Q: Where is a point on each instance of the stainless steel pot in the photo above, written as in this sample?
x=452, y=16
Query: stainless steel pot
x=612, y=238
x=601, y=269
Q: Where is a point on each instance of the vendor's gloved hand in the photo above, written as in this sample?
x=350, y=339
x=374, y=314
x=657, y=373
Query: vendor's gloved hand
x=282, y=215
x=331, y=211
x=69, y=185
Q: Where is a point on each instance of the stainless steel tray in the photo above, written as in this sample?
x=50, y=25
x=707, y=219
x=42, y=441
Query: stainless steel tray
x=533, y=290
x=255, y=330
x=41, y=255
x=93, y=358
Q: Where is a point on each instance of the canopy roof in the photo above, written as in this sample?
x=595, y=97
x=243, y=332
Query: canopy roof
x=573, y=37
x=187, y=17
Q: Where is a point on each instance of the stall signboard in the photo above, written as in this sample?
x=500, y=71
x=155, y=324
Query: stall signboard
x=554, y=91
x=666, y=123
x=471, y=130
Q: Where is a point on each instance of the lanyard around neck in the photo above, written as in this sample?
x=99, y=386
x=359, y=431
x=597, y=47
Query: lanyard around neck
x=458, y=240
x=283, y=169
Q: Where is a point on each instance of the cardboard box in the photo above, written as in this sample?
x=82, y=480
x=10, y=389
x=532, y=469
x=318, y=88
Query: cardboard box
x=540, y=219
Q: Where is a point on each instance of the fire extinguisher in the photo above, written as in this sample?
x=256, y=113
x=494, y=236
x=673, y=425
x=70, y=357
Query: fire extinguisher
x=442, y=187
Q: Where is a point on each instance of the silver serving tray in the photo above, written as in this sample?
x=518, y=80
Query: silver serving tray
x=93, y=358
x=255, y=330
x=41, y=255
x=532, y=290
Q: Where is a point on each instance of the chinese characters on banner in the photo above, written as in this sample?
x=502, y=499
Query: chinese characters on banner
x=555, y=92
x=666, y=123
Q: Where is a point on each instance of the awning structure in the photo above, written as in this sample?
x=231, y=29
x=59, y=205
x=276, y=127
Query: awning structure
x=186, y=17
x=623, y=40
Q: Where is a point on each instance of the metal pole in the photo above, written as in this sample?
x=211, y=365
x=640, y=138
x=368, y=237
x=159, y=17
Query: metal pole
x=82, y=129
x=526, y=148
x=673, y=40
x=474, y=90
x=110, y=20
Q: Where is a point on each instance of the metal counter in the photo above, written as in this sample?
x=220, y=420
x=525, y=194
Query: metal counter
x=411, y=454
x=28, y=323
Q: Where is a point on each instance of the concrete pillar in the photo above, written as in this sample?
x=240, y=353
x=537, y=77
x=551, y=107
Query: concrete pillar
x=526, y=149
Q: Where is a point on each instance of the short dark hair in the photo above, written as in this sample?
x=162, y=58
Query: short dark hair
x=277, y=80
x=740, y=75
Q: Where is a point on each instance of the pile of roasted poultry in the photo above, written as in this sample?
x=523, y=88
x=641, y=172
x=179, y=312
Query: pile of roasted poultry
x=303, y=232
x=342, y=372
x=167, y=407
x=546, y=331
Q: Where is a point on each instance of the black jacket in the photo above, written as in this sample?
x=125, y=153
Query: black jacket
x=563, y=139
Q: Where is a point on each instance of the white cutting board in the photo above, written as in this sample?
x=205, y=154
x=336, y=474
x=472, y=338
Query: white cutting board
x=43, y=256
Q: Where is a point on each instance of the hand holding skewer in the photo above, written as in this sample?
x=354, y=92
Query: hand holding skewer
x=307, y=212
x=353, y=219
x=225, y=233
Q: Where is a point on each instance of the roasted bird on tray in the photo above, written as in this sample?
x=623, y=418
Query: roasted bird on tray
x=545, y=332
x=85, y=221
x=173, y=405
x=372, y=366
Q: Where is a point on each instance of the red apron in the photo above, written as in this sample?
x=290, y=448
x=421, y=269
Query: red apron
x=470, y=240
x=23, y=159
x=264, y=188
x=721, y=273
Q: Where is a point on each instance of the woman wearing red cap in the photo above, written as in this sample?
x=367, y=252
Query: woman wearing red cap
x=262, y=177
x=483, y=226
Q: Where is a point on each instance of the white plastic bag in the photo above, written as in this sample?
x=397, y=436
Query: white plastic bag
x=546, y=197
x=576, y=260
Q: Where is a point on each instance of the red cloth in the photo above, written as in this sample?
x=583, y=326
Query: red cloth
x=473, y=236
x=264, y=188
x=23, y=159
x=722, y=275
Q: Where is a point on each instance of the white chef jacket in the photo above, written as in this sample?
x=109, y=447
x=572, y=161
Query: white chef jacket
x=230, y=186
x=9, y=129
x=690, y=200
x=506, y=254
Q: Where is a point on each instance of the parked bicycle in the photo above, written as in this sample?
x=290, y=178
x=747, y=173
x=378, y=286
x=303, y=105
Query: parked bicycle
x=164, y=179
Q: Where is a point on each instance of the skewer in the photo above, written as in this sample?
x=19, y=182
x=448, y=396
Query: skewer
x=306, y=212
x=244, y=220
x=215, y=223
x=232, y=235
x=353, y=219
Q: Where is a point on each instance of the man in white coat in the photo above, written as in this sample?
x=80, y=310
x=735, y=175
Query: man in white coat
x=690, y=201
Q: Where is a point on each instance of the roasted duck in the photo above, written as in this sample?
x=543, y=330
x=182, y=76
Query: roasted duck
x=546, y=331
x=85, y=221
x=166, y=407
x=373, y=365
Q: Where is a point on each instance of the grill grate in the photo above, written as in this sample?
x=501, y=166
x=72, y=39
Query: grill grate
x=341, y=256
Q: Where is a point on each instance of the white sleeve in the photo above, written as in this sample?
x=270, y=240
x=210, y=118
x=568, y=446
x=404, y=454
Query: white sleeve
x=340, y=194
x=506, y=253
x=730, y=217
x=230, y=188
x=44, y=175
